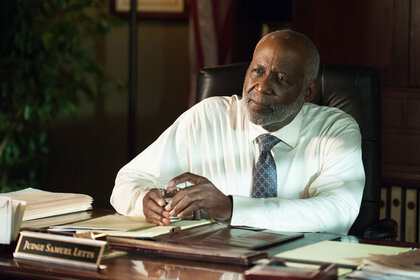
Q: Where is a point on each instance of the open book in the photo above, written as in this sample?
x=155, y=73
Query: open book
x=41, y=204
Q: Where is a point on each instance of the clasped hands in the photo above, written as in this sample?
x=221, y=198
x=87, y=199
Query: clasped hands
x=202, y=194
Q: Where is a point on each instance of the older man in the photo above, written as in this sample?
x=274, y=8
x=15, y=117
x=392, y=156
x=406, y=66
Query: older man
x=269, y=160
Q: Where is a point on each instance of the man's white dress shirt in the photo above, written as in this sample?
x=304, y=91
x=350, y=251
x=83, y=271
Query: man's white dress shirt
x=320, y=173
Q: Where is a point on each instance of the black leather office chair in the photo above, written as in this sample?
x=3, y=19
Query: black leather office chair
x=353, y=90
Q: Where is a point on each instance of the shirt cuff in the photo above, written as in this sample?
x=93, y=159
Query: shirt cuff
x=138, y=207
x=239, y=203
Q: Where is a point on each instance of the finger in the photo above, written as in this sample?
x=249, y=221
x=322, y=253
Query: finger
x=186, y=196
x=151, y=215
x=183, y=178
x=158, y=219
x=155, y=195
x=153, y=211
x=177, y=198
x=154, y=221
x=190, y=198
x=151, y=206
x=188, y=211
x=171, y=192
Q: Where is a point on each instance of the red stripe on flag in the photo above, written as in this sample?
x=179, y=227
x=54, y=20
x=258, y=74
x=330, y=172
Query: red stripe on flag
x=197, y=39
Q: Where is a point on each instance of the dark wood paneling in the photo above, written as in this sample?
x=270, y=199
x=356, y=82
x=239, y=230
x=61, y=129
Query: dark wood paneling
x=413, y=114
x=397, y=72
x=249, y=16
x=371, y=33
x=401, y=127
x=415, y=44
x=392, y=109
x=383, y=35
x=399, y=148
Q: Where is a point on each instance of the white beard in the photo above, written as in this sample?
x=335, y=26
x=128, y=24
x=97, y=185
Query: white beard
x=279, y=114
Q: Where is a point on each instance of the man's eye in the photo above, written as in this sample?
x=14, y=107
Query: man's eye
x=281, y=78
x=258, y=71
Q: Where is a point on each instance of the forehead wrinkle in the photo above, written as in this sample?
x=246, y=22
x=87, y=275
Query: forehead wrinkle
x=276, y=60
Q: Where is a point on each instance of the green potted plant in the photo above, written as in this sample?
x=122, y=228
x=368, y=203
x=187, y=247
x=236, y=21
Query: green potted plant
x=46, y=64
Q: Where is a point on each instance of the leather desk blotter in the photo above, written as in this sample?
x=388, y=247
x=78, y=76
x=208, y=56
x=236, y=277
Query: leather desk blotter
x=217, y=235
x=239, y=256
x=215, y=242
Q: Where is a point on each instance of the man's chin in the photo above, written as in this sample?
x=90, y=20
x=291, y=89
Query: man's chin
x=257, y=119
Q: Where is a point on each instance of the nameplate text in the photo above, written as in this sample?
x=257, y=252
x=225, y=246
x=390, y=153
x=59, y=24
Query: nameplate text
x=59, y=249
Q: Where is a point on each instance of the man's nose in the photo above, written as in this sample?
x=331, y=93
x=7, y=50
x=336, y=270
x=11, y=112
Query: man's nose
x=264, y=85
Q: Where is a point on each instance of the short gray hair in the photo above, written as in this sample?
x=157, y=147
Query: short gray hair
x=313, y=59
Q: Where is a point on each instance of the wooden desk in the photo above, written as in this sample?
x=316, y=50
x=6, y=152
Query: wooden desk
x=137, y=266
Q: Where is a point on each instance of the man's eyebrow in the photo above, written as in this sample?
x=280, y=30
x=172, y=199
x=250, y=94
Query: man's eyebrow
x=272, y=71
x=278, y=72
x=256, y=64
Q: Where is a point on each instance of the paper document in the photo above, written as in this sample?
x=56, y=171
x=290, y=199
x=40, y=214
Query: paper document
x=57, y=220
x=402, y=266
x=40, y=204
x=344, y=253
x=159, y=230
x=107, y=223
x=11, y=213
x=126, y=226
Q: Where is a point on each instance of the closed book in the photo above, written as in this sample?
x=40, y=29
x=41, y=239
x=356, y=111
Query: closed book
x=411, y=215
x=396, y=195
x=384, y=204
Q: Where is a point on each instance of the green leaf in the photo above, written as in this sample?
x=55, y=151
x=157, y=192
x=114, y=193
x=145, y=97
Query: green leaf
x=27, y=112
x=63, y=4
x=46, y=40
x=42, y=137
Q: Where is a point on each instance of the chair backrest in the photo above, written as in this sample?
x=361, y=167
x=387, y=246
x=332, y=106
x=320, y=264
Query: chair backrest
x=351, y=89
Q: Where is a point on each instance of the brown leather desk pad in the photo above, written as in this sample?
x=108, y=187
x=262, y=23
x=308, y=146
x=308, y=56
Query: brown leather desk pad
x=223, y=236
x=214, y=243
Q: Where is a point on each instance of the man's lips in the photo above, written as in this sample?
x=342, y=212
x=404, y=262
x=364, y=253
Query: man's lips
x=258, y=103
x=258, y=106
x=260, y=100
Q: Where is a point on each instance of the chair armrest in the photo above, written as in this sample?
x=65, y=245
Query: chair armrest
x=383, y=229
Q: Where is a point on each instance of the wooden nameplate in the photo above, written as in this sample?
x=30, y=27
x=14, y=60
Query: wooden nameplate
x=59, y=249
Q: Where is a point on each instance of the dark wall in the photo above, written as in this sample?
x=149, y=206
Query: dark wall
x=88, y=150
x=249, y=18
x=383, y=35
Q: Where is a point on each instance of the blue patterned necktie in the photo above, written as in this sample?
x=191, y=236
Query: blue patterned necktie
x=264, y=174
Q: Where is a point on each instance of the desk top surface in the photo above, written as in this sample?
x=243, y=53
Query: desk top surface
x=135, y=265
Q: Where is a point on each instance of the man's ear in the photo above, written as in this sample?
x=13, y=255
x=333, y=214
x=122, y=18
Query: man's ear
x=310, y=91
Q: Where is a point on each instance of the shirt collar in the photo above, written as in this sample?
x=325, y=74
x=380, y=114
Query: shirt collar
x=289, y=134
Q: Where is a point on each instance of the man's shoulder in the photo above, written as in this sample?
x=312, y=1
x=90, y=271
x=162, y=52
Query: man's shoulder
x=219, y=105
x=212, y=113
x=219, y=101
x=327, y=118
x=311, y=110
x=212, y=108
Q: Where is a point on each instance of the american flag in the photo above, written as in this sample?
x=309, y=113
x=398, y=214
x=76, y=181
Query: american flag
x=210, y=37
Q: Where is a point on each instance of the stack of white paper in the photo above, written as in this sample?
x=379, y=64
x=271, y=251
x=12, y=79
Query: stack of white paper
x=41, y=204
x=11, y=213
x=402, y=266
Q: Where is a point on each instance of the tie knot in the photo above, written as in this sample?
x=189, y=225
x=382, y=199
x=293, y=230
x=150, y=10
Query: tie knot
x=267, y=142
